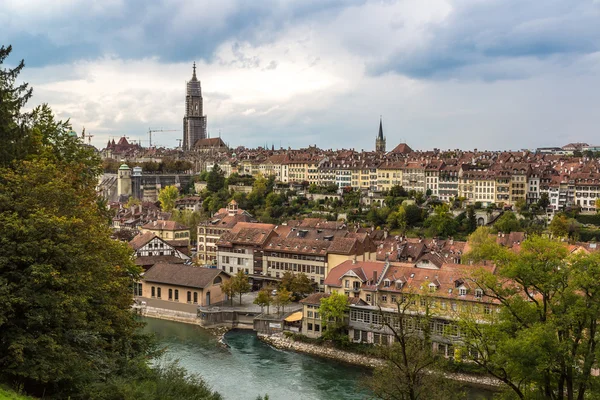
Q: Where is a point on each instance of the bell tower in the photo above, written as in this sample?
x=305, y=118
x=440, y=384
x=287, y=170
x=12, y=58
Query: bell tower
x=194, y=122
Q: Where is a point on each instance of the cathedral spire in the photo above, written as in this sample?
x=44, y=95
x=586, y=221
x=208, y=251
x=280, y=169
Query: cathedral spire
x=194, y=74
x=380, y=140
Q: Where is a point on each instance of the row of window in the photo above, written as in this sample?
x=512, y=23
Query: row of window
x=156, y=292
x=284, y=266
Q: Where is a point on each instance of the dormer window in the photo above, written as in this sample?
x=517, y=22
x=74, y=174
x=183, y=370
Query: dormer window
x=462, y=291
x=432, y=287
x=478, y=293
x=386, y=283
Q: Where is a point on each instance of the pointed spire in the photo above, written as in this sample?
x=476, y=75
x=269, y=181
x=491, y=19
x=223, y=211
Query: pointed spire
x=380, y=136
x=194, y=74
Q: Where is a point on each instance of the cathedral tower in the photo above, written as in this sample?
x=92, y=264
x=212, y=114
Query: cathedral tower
x=194, y=123
x=380, y=141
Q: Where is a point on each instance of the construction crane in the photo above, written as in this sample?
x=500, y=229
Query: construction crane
x=150, y=130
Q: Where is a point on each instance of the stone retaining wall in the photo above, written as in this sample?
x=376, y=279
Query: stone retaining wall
x=170, y=315
x=281, y=342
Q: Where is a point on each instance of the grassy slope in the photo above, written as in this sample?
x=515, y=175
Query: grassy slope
x=6, y=394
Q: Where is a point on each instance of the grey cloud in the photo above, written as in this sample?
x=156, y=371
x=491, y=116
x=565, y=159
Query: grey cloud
x=142, y=29
x=489, y=32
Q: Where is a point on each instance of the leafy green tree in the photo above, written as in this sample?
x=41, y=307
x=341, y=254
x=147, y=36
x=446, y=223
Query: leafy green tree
x=282, y=299
x=441, y=222
x=215, y=180
x=507, y=223
x=559, y=227
x=411, y=370
x=544, y=201
x=302, y=285
x=414, y=214
x=333, y=310
x=543, y=341
x=190, y=219
x=66, y=288
x=228, y=287
x=167, y=197
x=241, y=284
x=471, y=219
x=263, y=299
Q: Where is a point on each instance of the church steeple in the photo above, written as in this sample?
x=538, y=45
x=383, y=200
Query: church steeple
x=194, y=74
x=380, y=141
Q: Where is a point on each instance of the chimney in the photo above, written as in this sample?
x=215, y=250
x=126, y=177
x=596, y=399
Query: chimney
x=374, y=277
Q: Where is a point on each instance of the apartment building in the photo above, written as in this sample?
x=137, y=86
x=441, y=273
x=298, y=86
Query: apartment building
x=209, y=232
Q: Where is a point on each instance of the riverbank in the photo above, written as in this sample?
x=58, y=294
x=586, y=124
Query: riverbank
x=284, y=343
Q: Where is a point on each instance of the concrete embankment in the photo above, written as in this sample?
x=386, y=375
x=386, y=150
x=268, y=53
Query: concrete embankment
x=169, y=315
x=284, y=343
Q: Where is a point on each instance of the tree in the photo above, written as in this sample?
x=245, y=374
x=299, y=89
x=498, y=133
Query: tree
x=167, y=197
x=302, y=285
x=543, y=341
x=507, y=223
x=66, y=288
x=228, y=287
x=411, y=370
x=190, y=219
x=263, y=299
x=441, y=222
x=133, y=202
x=559, y=226
x=15, y=143
x=215, y=180
x=471, y=219
x=414, y=214
x=241, y=284
x=282, y=299
x=333, y=310
x=544, y=201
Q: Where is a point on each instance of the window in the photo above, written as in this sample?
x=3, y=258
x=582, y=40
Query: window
x=309, y=314
x=346, y=283
x=195, y=297
x=487, y=309
x=462, y=291
x=454, y=308
x=317, y=328
x=170, y=294
x=153, y=291
x=189, y=297
x=176, y=295
x=478, y=293
x=368, y=298
x=384, y=298
x=137, y=289
x=310, y=326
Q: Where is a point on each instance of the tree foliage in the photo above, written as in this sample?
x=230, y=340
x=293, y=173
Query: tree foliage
x=167, y=197
x=215, y=180
x=333, y=310
x=507, y=223
x=241, y=284
x=411, y=370
x=282, y=299
x=264, y=299
x=66, y=288
x=543, y=342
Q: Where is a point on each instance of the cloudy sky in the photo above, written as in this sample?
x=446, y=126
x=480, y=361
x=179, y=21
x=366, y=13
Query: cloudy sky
x=486, y=74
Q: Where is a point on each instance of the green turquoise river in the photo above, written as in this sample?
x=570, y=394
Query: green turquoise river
x=249, y=367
